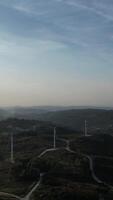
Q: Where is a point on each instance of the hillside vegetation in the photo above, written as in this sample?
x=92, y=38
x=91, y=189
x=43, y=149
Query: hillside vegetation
x=98, y=120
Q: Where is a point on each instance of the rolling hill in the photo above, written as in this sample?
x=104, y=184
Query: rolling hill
x=98, y=120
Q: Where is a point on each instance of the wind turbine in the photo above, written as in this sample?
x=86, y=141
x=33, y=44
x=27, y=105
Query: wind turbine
x=12, y=148
x=54, y=142
x=11, y=144
x=85, y=128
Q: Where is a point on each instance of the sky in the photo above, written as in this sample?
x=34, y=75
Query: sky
x=56, y=52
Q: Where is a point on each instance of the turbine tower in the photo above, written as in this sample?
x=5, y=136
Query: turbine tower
x=54, y=144
x=86, y=134
x=12, y=149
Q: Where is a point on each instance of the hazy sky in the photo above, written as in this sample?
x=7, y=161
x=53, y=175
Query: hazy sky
x=56, y=52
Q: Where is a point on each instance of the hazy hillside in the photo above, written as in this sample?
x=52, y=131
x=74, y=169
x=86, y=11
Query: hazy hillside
x=34, y=111
x=29, y=112
x=66, y=170
x=4, y=114
x=98, y=119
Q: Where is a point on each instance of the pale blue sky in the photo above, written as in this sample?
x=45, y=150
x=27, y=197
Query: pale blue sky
x=56, y=52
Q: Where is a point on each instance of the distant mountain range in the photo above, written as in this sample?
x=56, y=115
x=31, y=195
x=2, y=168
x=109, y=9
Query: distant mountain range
x=33, y=111
x=53, y=108
x=99, y=119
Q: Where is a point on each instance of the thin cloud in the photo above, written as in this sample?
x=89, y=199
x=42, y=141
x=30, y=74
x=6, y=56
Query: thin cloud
x=55, y=41
x=92, y=9
x=30, y=7
x=28, y=10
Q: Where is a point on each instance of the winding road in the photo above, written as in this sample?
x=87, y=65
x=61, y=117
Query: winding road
x=5, y=194
x=95, y=178
x=27, y=197
x=46, y=151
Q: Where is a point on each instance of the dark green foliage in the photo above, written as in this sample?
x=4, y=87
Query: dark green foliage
x=66, y=192
x=22, y=171
x=99, y=121
x=104, y=168
x=95, y=145
x=67, y=174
